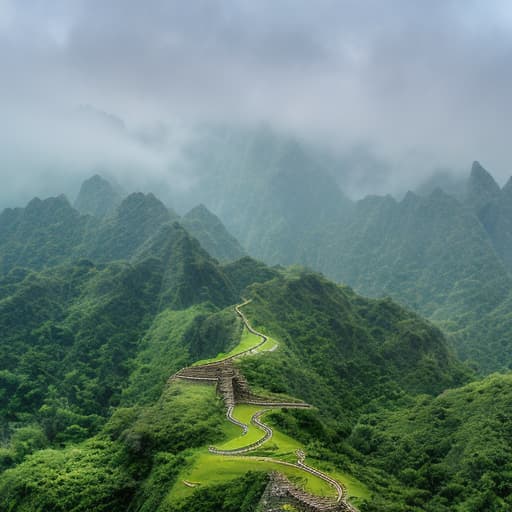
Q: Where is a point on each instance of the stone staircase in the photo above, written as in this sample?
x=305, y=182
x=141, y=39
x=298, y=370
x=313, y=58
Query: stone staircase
x=281, y=492
x=231, y=384
x=234, y=389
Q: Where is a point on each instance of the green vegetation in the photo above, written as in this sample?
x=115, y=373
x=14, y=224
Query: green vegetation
x=136, y=458
x=247, y=271
x=280, y=444
x=247, y=341
x=211, y=233
x=447, y=255
x=236, y=495
x=213, y=469
x=88, y=422
x=97, y=197
x=451, y=453
x=78, y=339
x=339, y=351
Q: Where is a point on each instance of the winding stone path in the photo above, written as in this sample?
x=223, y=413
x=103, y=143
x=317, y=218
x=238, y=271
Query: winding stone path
x=234, y=389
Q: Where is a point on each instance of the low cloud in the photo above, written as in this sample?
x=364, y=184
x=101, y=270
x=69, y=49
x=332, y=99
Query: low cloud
x=418, y=85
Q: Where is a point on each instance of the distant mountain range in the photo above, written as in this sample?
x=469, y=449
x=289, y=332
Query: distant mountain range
x=445, y=254
x=100, y=305
x=51, y=231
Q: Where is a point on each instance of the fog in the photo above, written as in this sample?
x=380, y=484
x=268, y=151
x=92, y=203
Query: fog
x=396, y=90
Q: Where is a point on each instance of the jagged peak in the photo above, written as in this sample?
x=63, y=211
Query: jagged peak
x=507, y=188
x=140, y=198
x=97, y=196
x=410, y=197
x=36, y=202
x=95, y=182
x=141, y=212
x=201, y=209
x=482, y=178
x=481, y=188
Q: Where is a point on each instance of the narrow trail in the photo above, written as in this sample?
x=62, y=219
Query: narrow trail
x=216, y=371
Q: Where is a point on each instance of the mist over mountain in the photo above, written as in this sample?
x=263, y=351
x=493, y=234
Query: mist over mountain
x=99, y=309
x=97, y=197
x=212, y=234
x=246, y=264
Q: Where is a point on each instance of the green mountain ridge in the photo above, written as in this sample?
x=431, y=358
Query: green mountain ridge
x=89, y=421
x=97, y=197
x=455, y=450
x=447, y=256
x=432, y=255
x=49, y=232
x=211, y=233
x=120, y=291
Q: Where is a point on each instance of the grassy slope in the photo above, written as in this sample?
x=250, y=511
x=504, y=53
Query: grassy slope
x=247, y=341
x=209, y=469
x=356, y=357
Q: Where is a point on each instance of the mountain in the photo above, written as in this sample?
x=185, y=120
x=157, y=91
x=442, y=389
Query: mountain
x=481, y=189
x=134, y=221
x=493, y=208
x=342, y=350
x=436, y=447
x=97, y=197
x=70, y=333
x=211, y=233
x=112, y=344
x=97, y=313
x=272, y=192
x=49, y=232
x=498, y=221
x=189, y=274
x=447, y=256
x=246, y=271
x=431, y=254
x=43, y=233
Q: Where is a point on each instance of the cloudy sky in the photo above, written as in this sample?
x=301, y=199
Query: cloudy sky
x=422, y=84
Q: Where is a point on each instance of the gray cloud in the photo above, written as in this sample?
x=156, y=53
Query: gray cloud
x=420, y=84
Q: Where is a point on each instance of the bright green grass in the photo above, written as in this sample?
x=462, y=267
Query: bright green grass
x=209, y=469
x=247, y=341
x=244, y=414
x=279, y=444
x=354, y=487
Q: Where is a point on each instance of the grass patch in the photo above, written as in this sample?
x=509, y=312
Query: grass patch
x=354, y=487
x=210, y=469
x=279, y=444
x=247, y=341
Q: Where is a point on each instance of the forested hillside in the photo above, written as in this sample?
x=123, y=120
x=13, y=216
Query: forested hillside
x=353, y=358
x=214, y=237
x=71, y=333
x=50, y=231
x=97, y=313
x=446, y=254
x=246, y=263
